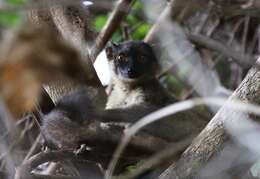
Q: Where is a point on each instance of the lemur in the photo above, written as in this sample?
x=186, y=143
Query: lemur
x=133, y=66
x=136, y=92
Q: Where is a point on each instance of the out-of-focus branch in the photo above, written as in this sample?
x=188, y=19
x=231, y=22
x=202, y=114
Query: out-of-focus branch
x=24, y=171
x=170, y=38
x=39, y=176
x=151, y=35
x=113, y=22
x=176, y=9
x=244, y=60
x=72, y=23
x=212, y=139
x=101, y=6
x=36, y=5
x=33, y=148
x=170, y=153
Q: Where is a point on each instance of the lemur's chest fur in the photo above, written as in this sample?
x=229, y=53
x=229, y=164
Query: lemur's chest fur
x=120, y=98
x=149, y=95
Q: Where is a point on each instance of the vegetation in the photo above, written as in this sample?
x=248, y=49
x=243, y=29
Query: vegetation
x=208, y=56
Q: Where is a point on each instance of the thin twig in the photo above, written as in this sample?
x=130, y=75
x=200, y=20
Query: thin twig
x=17, y=124
x=245, y=33
x=170, y=110
x=33, y=148
x=29, y=125
x=125, y=30
x=120, y=11
x=170, y=153
x=213, y=27
x=244, y=60
x=40, y=176
x=253, y=44
x=204, y=19
x=36, y=5
x=24, y=171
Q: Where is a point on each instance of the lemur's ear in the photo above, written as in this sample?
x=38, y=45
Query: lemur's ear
x=109, y=53
x=113, y=44
x=110, y=50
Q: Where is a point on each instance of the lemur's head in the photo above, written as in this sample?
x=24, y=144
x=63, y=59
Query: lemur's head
x=132, y=60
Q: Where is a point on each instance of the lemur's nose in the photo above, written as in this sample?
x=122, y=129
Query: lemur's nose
x=130, y=71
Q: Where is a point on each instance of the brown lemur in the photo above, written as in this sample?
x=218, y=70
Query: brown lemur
x=136, y=92
x=133, y=66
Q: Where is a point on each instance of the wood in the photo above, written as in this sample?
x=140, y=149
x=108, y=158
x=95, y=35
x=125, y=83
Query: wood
x=212, y=139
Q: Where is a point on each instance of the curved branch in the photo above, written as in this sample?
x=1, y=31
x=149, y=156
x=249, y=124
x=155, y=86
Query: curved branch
x=24, y=171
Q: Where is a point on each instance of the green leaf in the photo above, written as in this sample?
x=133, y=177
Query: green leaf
x=173, y=84
x=16, y=2
x=117, y=36
x=99, y=22
x=130, y=168
x=9, y=19
x=141, y=31
x=137, y=5
x=132, y=20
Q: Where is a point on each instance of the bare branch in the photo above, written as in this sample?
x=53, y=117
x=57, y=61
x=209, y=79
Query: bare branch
x=33, y=148
x=118, y=14
x=24, y=171
x=244, y=60
x=214, y=136
x=171, y=152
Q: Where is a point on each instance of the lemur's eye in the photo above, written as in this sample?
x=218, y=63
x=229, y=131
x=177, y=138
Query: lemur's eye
x=120, y=57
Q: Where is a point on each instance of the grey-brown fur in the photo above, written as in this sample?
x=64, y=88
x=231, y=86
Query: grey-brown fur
x=134, y=97
x=143, y=89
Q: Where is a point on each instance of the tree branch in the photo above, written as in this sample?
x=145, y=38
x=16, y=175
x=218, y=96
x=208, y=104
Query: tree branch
x=244, y=60
x=212, y=139
x=24, y=171
x=118, y=14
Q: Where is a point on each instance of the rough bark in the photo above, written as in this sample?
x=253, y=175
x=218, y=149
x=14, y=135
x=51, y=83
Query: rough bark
x=212, y=139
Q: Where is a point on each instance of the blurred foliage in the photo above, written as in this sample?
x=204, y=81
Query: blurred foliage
x=11, y=19
x=138, y=28
x=99, y=22
x=141, y=31
x=16, y=2
x=133, y=167
x=173, y=85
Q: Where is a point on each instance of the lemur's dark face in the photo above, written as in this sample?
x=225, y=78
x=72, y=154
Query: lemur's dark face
x=132, y=59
